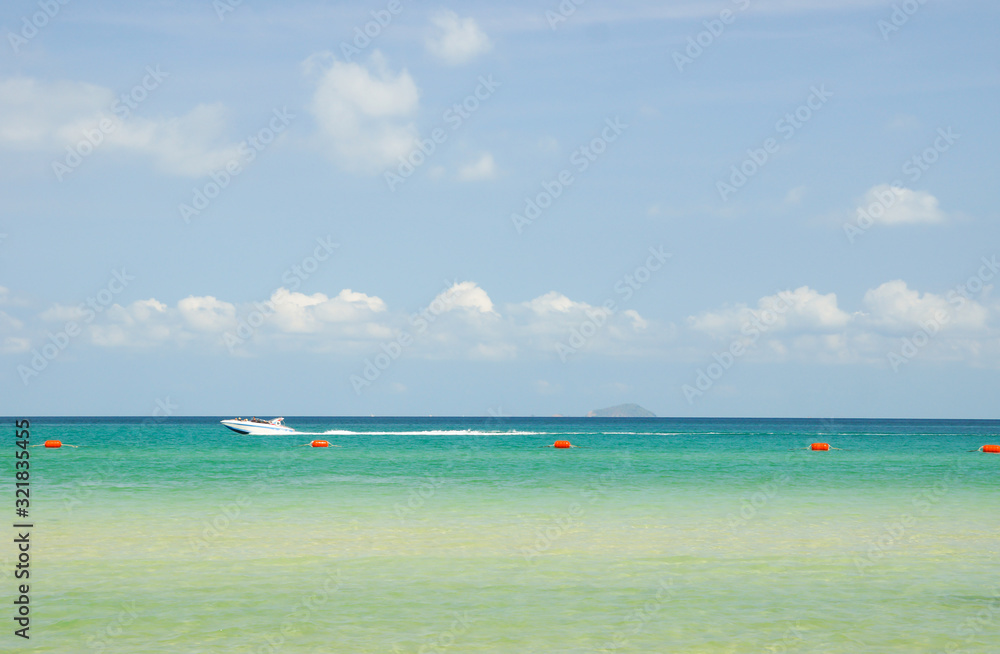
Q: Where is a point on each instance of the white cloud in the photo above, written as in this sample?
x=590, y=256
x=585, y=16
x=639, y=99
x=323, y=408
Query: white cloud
x=14, y=345
x=33, y=111
x=204, y=314
x=896, y=308
x=551, y=319
x=363, y=111
x=795, y=195
x=53, y=115
x=63, y=313
x=143, y=323
x=457, y=40
x=463, y=322
x=807, y=326
x=13, y=342
x=8, y=323
x=179, y=145
x=803, y=309
x=482, y=168
x=895, y=205
x=300, y=313
x=638, y=322
x=466, y=295
x=554, y=302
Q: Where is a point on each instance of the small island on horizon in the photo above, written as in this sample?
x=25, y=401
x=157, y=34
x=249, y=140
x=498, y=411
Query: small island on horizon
x=622, y=411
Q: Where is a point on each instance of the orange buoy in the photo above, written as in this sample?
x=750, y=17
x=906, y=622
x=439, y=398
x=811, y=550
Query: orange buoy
x=320, y=443
x=53, y=443
x=562, y=444
x=820, y=446
x=995, y=449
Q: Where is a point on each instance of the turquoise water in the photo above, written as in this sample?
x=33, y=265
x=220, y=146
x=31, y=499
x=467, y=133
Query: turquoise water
x=467, y=535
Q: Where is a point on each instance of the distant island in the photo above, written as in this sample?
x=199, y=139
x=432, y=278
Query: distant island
x=622, y=411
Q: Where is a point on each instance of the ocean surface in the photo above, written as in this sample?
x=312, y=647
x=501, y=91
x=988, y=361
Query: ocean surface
x=469, y=535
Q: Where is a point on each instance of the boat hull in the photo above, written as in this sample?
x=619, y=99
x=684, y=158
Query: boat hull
x=248, y=427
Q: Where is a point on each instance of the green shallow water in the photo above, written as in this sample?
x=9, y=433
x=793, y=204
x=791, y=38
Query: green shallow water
x=465, y=535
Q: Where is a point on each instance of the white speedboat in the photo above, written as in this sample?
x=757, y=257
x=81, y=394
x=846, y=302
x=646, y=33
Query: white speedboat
x=257, y=426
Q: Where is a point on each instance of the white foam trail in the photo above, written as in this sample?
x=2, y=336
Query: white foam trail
x=476, y=432
x=431, y=432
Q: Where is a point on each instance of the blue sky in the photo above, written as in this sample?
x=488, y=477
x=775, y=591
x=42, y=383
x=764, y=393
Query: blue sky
x=739, y=208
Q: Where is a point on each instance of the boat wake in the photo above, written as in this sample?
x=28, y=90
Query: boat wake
x=429, y=432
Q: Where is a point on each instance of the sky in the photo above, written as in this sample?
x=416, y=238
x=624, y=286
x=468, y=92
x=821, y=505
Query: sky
x=736, y=208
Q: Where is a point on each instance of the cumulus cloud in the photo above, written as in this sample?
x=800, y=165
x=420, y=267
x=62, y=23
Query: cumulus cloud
x=553, y=320
x=466, y=295
x=463, y=322
x=894, y=205
x=41, y=115
x=204, y=314
x=364, y=111
x=300, y=313
x=801, y=309
x=896, y=308
x=457, y=40
x=142, y=323
x=482, y=168
x=807, y=326
x=554, y=302
x=63, y=313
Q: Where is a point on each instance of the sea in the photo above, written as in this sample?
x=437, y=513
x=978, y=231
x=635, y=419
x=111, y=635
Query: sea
x=421, y=535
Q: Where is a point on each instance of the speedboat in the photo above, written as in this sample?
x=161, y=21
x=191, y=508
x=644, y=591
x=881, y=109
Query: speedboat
x=257, y=426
